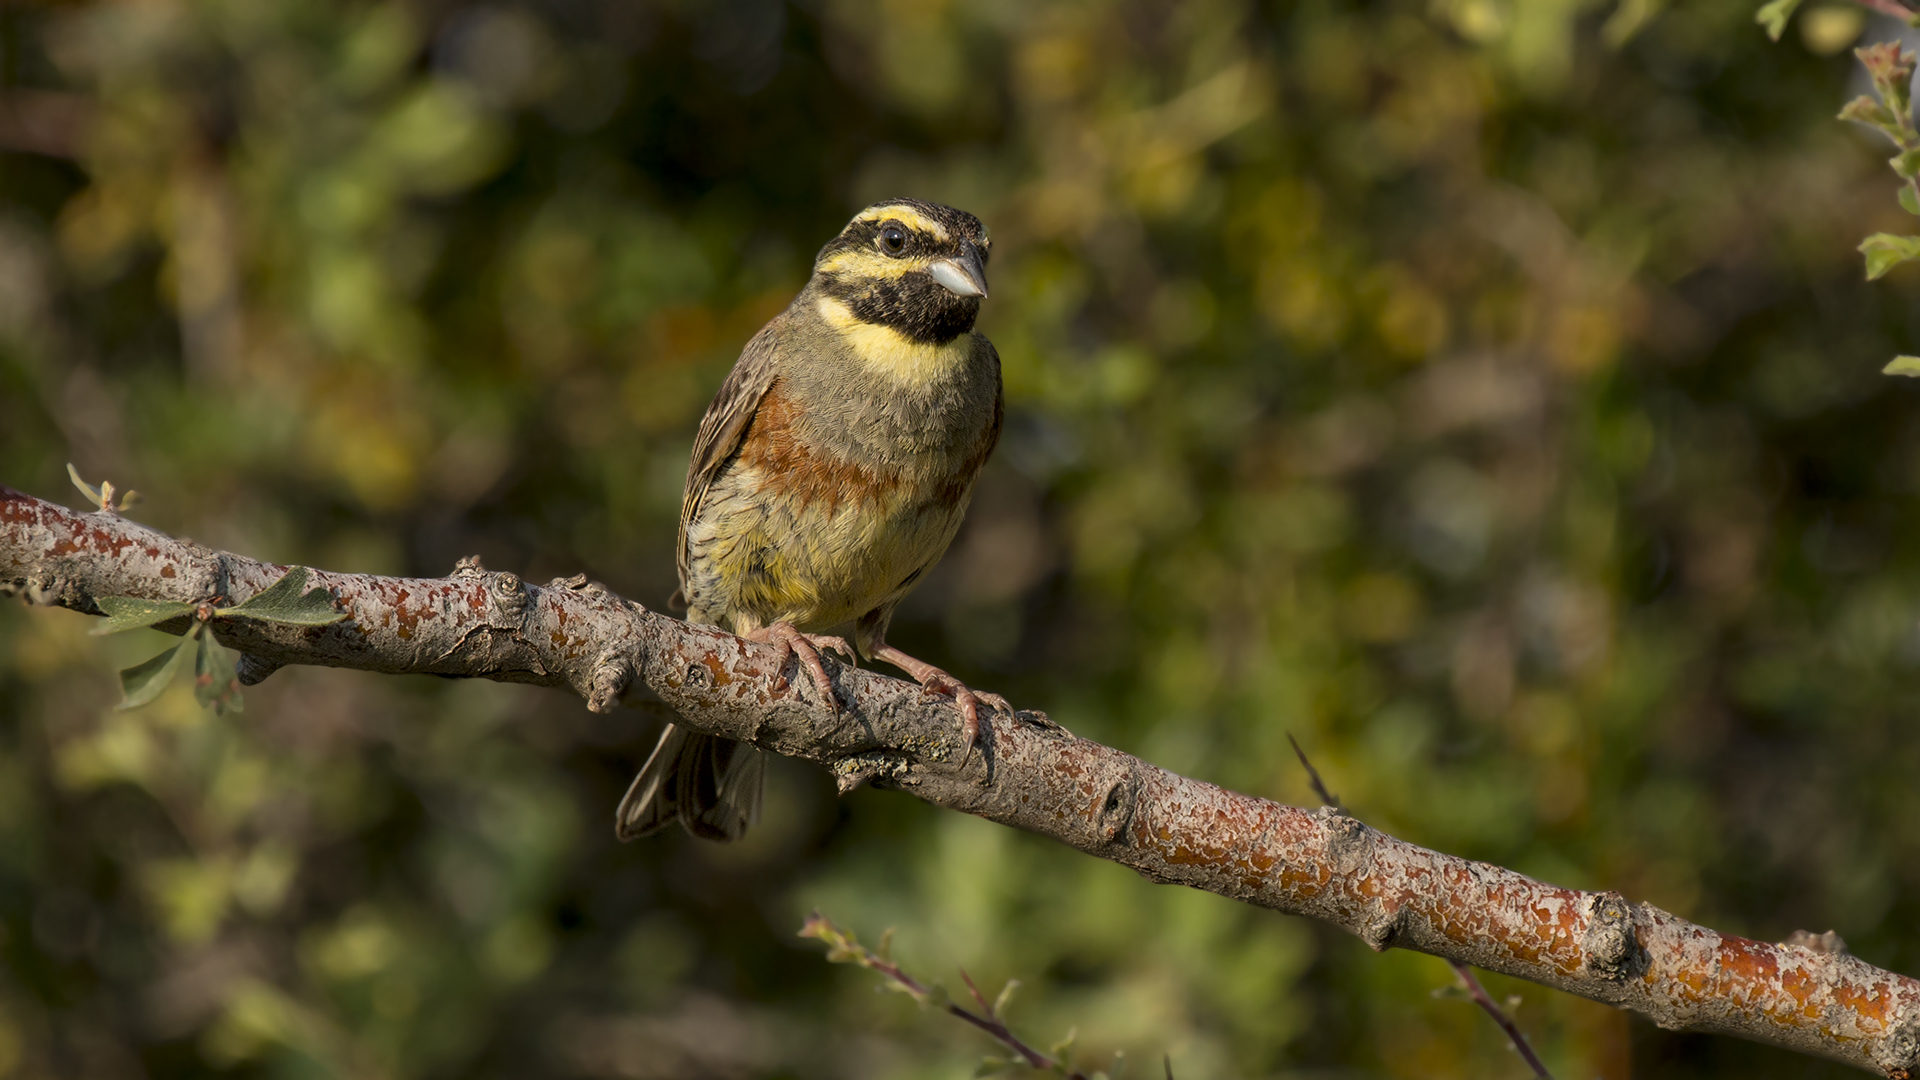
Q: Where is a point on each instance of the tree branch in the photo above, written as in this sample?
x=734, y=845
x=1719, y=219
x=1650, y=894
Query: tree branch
x=1468, y=981
x=1807, y=995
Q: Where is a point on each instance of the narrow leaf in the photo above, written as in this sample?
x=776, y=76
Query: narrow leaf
x=1006, y=997
x=1774, y=15
x=215, y=682
x=1903, y=365
x=283, y=602
x=132, y=613
x=143, y=682
x=92, y=493
x=1909, y=201
x=1884, y=251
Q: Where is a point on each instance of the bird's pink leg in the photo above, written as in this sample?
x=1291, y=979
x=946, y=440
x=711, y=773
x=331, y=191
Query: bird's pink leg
x=940, y=682
x=791, y=642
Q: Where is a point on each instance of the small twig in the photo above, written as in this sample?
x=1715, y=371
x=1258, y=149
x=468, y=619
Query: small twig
x=1485, y=1000
x=844, y=948
x=1465, y=973
x=1319, y=788
x=994, y=1026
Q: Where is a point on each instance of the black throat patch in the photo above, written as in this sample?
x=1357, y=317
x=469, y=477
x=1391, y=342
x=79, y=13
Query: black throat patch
x=913, y=304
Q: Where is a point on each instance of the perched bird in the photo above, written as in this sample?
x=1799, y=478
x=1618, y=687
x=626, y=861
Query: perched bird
x=829, y=474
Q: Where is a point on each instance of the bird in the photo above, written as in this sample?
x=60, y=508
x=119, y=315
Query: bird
x=829, y=474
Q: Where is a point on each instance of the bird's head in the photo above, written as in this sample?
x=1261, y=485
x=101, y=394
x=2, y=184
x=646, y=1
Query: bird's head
x=915, y=267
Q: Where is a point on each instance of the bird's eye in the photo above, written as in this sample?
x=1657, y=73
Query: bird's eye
x=894, y=239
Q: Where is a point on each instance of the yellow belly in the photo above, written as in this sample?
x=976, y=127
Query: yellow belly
x=756, y=556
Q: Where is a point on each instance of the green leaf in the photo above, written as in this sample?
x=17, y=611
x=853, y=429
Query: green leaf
x=132, y=613
x=215, y=682
x=1903, y=365
x=143, y=682
x=1865, y=110
x=1774, y=15
x=92, y=493
x=1906, y=163
x=1884, y=251
x=1909, y=201
x=283, y=602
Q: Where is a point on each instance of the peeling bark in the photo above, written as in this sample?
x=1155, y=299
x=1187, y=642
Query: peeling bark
x=1807, y=994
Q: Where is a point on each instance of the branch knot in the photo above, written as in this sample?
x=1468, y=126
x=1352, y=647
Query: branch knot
x=253, y=669
x=611, y=676
x=1383, y=927
x=1349, y=841
x=509, y=594
x=855, y=771
x=1900, y=1054
x=1829, y=943
x=1116, y=810
x=1610, y=943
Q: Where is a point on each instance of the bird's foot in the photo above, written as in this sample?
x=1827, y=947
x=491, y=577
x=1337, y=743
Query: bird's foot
x=791, y=642
x=939, y=682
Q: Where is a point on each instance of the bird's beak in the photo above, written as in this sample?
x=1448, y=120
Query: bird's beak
x=962, y=275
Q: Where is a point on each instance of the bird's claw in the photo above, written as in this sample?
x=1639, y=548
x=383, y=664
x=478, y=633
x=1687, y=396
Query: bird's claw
x=969, y=701
x=935, y=681
x=791, y=642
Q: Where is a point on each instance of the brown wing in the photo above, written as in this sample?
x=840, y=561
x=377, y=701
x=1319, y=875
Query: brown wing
x=724, y=426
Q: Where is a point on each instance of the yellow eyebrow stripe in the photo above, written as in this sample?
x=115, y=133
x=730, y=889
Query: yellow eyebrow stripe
x=908, y=216
x=868, y=263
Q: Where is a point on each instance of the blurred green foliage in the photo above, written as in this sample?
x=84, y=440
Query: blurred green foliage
x=1484, y=391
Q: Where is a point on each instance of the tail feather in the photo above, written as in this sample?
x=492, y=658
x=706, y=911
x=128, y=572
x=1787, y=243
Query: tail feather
x=710, y=785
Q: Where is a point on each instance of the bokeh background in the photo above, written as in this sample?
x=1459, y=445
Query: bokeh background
x=1484, y=391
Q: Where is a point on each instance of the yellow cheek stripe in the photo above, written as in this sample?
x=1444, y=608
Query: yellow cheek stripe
x=889, y=351
x=906, y=215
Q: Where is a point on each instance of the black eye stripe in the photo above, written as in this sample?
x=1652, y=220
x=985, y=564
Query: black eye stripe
x=862, y=235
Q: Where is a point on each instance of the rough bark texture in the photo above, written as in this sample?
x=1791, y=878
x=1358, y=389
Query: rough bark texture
x=1807, y=994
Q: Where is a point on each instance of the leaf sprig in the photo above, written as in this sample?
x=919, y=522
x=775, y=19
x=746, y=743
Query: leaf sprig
x=844, y=948
x=102, y=496
x=1891, y=68
x=216, y=682
x=1773, y=15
